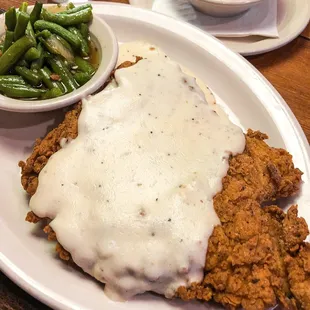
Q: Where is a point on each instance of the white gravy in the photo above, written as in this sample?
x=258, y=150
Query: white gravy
x=131, y=197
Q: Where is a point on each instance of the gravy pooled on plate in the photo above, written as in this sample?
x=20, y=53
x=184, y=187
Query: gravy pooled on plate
x=131, y=197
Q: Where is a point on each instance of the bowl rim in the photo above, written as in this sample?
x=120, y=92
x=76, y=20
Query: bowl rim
x=231, y=2
x=100, y=76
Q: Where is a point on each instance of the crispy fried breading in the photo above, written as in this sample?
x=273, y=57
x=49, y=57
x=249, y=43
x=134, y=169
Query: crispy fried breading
x=298, y=268
x=257, y=256
x=44, y=149
x=246, y=259
x=261, y=173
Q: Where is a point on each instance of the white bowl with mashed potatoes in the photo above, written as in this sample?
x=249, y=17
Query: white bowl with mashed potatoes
x=224, y=8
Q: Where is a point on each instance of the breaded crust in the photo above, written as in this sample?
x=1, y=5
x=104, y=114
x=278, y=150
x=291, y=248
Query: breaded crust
x=250, y=256
x=257, y=256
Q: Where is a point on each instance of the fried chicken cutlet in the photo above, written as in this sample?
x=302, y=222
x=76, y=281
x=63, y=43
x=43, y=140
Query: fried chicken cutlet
x=257, y=257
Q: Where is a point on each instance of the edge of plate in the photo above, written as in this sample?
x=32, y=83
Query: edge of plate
x=237, y=64
x=275, y=43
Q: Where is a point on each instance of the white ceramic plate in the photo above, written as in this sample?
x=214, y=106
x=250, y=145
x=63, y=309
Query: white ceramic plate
x=29, y=260
x=293, y=17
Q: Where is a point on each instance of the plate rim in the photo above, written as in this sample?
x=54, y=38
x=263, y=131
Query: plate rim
x=238, y=64
x=275, y=43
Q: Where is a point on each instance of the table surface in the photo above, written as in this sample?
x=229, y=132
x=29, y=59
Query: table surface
x=287, y=69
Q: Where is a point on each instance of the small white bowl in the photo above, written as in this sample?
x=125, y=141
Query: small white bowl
x=105, y=41
x=224, y=8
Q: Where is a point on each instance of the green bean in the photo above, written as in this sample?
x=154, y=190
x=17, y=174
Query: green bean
x=68, y=64
x=10, y=19
x=84, y=31
x=65, y=75
x=61, y=87
x=45, y=34
x=1, y=48
x=46, y=77
x=44, y=44
x=70, y=6
x=62, y=32
x=23, y=7
x=22, y=63
x=12, y=79
x=84, y=65
x=76, y=9
x=32, y=54
x=38, y=63
x=29, y=32
x=21, y=24
x=30, y=76
x=84, y=44
x=35, y=14
x=61, y=37
x=82, y=77
x=9, y=38
x=79, y=17
x=52, y=93
x=21, y=91
x=47, y=54
x=14, y=52
x=49, y=83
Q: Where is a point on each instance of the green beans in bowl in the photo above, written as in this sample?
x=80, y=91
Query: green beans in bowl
x=53, y=56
